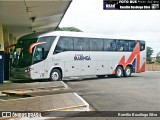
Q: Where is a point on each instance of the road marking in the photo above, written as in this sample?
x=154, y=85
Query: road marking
x=65, y=85
x=83, y=101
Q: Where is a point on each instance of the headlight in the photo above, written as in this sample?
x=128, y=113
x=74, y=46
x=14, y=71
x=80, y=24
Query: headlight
x=28, y=69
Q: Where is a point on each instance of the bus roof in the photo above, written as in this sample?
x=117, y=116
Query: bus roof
x=78, y=34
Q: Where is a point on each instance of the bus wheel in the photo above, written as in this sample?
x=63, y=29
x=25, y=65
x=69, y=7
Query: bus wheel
x=127, y=71
x=119, y=71
x=101, y=76
x=55, y=75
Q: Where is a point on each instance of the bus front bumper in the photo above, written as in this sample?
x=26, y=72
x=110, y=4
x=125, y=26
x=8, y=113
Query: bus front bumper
x=20, y=74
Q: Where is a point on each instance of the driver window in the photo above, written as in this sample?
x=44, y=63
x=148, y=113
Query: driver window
x=38, y=56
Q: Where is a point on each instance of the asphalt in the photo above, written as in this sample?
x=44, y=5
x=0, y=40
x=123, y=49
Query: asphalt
x=141, y=92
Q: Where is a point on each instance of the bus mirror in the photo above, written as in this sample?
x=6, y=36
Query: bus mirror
x=33, y=45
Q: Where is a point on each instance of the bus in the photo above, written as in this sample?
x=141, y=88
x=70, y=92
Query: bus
x=59, y=55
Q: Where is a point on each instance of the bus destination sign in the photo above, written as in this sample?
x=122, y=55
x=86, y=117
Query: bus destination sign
x=131, y=4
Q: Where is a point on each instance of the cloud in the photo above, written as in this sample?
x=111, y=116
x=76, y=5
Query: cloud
x=89, y=16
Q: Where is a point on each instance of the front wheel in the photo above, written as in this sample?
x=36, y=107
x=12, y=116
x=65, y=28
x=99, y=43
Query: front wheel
x=127, y=71
x=119, y=72
x=55, y=75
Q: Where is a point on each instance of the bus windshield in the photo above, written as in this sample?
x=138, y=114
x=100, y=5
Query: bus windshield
x=21, y=56
x=41, y=51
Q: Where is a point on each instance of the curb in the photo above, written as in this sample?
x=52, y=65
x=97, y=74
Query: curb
x=65, y=85
x=85, y=103
x=17, y=94
x=66, y=110
x=21, y=92
x=74, y=107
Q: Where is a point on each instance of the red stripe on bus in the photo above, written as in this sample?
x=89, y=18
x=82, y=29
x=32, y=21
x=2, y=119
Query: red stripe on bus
x=134, y=54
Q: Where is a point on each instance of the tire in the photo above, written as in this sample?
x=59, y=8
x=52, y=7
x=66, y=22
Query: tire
x=101, y=76
x=127, y=71
x=119, y=72
x=55, y=75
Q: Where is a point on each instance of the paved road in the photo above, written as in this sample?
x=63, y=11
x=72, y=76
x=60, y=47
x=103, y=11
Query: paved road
x=141, y=92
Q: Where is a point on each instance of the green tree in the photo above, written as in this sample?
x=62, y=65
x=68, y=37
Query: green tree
x=158, y=59
x=149, y=53
x=73, y=29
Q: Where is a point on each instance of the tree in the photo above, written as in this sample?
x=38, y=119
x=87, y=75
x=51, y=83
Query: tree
x=73, y=29
x=149, y=53
x=158, y=57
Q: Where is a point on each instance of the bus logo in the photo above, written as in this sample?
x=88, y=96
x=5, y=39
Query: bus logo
x=81, y=57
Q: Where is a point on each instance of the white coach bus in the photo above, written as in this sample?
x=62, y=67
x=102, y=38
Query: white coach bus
x=59, y=55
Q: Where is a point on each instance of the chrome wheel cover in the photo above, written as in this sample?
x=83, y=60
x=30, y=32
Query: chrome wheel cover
x=54, y=76
x=119, y=72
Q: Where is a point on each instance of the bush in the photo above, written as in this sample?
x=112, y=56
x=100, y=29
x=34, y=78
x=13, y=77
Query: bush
x=158, y=59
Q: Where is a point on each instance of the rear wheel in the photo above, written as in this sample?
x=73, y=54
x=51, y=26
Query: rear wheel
x=119, y=71
x=101, y=76
x=127, y=71
x=55, y=75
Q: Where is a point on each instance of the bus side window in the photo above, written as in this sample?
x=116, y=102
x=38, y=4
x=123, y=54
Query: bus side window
x=123, y=45
x=109, y=45
x=142, y=45
x=81, y=44
x=131, y=45
x=113, y=45
x=96, y=44
x=119, y=45
x=64, y=44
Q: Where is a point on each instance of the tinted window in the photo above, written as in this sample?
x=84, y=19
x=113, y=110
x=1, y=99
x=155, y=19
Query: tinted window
x=122, y=45
x=81, y=44
x=96, y=44
x=142, y=45
x=21, y=56
x=132, y=45
x=42, y=50
x=65, y=44
x=109, y=45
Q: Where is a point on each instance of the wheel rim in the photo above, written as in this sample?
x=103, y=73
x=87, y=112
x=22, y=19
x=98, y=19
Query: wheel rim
x=119, y=72
x=55, y=76
x=128, y=72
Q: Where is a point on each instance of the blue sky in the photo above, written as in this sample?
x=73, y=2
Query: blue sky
x=89, y=16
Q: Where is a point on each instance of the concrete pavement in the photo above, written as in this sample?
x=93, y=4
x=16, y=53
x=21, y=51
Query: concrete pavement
x=32, y=85
x=48, y=97
x=58, y=102
x=26, y=89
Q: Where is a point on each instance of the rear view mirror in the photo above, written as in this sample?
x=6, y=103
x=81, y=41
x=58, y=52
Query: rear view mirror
x=33, y=45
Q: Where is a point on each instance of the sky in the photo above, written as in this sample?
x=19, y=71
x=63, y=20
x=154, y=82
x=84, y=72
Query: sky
x=89, y=16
